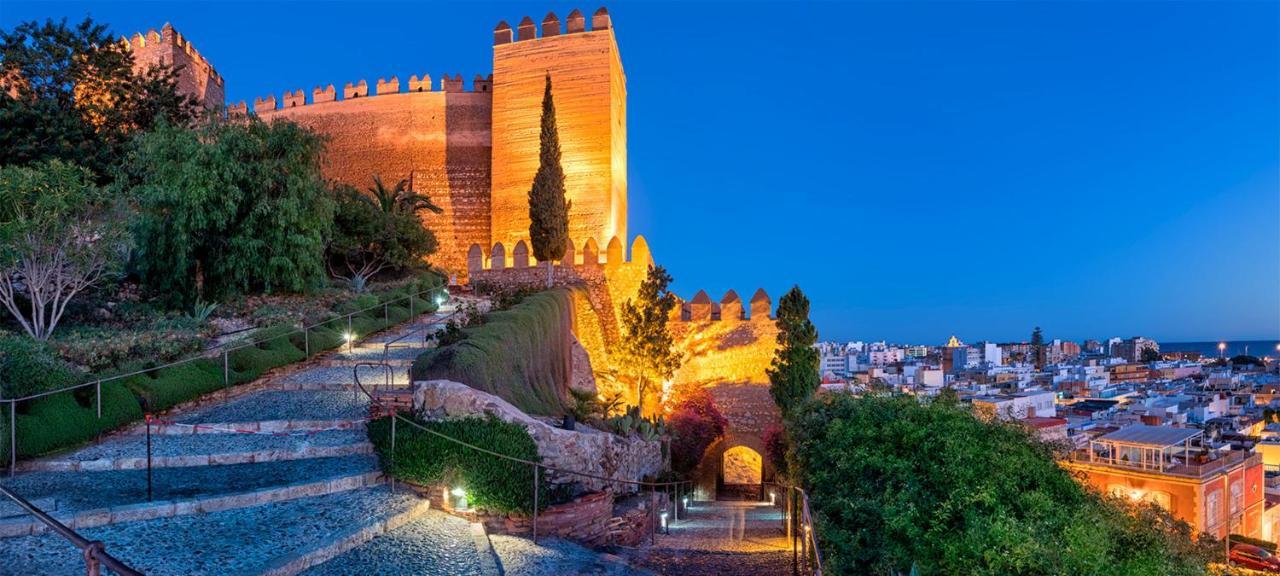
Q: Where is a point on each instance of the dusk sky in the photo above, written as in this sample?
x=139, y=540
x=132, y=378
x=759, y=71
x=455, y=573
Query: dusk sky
x=920, y=169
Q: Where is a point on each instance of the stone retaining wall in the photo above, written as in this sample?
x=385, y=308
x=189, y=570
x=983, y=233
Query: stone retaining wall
x=584, y=450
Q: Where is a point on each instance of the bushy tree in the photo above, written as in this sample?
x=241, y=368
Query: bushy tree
x=895, y=483
x=548, y=209
x=70, y=92
x=647, y=350
x=59, y=235
x=793, y=375
x=375, y=233
x=695, y=424
x=229, y=207
x=1037, y=348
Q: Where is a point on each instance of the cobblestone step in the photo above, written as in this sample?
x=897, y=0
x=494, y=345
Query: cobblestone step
x=435, y=544
x=79, y=491
x=176, y=429
x=556, y=557
x=129, y=452
x=279, y=538
x=280, y=405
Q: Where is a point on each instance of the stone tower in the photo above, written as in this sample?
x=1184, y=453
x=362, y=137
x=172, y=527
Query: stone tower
x=590, y=94
x=196, y=77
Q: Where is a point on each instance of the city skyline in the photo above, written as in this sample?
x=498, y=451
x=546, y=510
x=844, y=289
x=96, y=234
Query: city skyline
x=982, y=168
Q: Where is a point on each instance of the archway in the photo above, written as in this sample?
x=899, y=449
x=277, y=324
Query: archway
x=741, y=472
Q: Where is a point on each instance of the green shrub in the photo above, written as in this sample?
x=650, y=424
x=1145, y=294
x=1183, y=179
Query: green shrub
x=274, y=348
x=491, y=483
x=895, y=484
x=520, y=355
x=68, y=418
x=28, y=366
x=165, y=388
x=98, y=349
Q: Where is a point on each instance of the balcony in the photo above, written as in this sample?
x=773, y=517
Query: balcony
x=1162, y=450
x=1178, y=467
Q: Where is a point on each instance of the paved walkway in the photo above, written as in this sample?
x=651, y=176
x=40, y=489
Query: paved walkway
x=722, y=539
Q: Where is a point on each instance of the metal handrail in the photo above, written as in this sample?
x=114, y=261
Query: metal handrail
x=808, y=540
x=224, y=350
x=93, y=551
x=537, y=466
x=426, y=335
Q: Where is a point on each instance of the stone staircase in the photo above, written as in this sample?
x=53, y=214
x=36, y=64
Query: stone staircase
x=273, y=477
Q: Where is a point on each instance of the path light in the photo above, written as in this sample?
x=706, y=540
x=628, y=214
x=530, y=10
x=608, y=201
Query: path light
x=663, y=517
x=686, y=501
x=461, y=496
x=773, y=497
x=350, y=339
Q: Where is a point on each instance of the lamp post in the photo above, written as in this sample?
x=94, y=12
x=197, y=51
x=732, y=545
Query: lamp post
x=1222, y=349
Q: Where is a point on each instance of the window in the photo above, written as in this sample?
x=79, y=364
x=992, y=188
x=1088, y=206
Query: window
x=1213, y=508
x=1237, y=496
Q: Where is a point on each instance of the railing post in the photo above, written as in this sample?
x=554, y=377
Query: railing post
x=90, y=553
x=535, y=503
x=148, y=457
x=393, y=450
x=386, y=317
x=98, y=388
x=306, y=342
x=13, y=438
x=226, y=369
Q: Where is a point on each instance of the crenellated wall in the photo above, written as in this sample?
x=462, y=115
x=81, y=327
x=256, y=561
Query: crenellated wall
x=196, y=76
x=439, y=140
x=589, y=89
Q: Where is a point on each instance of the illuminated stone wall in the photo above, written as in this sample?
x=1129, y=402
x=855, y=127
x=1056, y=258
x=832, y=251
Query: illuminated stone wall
x=589, y=89
x=439, y=140
x=196, y=77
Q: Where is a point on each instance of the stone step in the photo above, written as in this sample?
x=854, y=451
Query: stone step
x=554, y=556
x=76, y=492
x=25, y=525
x=129, y=452
x=176, y=429
x=434, y=544
x=268, y=404
x=278, y=538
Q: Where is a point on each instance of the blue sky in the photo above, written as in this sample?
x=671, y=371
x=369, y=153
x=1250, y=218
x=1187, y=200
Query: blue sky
x=920, y=169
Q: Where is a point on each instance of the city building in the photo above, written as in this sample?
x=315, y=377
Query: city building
x=1217, y=490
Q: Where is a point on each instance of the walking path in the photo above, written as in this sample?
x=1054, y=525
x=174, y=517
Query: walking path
x=720, y=538
x=272, y=477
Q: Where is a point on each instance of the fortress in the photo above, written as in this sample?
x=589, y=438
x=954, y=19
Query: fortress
x=474, y=151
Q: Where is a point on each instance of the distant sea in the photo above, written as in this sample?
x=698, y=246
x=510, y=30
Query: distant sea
x=1257, y=348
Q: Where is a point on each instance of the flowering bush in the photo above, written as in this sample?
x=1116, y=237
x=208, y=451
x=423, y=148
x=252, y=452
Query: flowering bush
x=695, y=424
x=775, y=447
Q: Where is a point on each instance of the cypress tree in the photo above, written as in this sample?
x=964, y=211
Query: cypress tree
x=793, y=376
x=548, y=209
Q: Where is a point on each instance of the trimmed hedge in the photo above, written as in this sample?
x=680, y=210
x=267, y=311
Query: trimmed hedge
x=70, y=418
x=491, y=483
x=521, y=354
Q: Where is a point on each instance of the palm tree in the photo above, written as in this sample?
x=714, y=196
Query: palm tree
x=399, y=198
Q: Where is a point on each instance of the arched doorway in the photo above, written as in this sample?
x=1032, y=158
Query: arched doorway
x=741, y=473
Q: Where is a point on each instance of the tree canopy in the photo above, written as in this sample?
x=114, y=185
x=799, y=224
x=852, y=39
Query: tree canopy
x=894, y=483
x=548, y=209
x=229, y=208
x=70, y=92
x=377, y=231
x=647, y=348
x=793, y=375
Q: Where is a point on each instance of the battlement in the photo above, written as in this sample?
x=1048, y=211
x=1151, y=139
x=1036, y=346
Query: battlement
x=499, y=257
x=527, y=30
x=729, y=309
x=167, y=36
x=360, y=89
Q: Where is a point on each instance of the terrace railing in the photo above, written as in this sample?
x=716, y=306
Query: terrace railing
x=1186, y=467
x=94, y=553
x=668, y=489
x=798, y=524
x=223, y=350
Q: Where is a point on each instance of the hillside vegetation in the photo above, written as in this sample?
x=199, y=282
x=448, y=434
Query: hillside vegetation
x=521, y=354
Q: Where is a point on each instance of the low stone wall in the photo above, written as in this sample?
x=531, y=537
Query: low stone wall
x=584, y=450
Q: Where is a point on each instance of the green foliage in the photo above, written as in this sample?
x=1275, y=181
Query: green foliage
x=793, y=375
x=59, y=235
x=894, y=482
x=378, y=232
x=100, y=349
x=519, y=355
x=75, y=96
x=647, y=349
x=548, y=209
x=491, y=483
x=201, y=310
x=696, y=423
x=1037, y=347
x=1241, y=539
x=30, y=367
x=165, y=388
x=68, y=418
x=230, y=208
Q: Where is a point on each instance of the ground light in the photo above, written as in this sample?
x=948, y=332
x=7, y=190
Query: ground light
x=773, y=498
x=460, y=496
x=350, y=338
x=665, y=529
